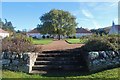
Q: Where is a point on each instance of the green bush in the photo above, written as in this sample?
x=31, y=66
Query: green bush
x=74, y=37
x=43, y=36
x=18, y=43
x=48, y=36
x=103, y=43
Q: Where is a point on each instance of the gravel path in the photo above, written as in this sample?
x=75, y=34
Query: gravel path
x=59, y=45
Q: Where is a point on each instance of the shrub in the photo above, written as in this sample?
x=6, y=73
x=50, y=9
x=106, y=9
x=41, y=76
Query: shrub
x=18, y=43
x=74, y=37
x=48, y=36
x=103, y=43
x=70, y=37
x=43, y=37
x=34, y=37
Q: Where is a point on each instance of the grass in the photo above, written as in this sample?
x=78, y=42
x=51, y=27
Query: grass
x=111, y=73
x=76, y=41
x=42, y=41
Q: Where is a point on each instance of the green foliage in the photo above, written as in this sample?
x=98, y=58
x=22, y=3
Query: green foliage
x=43, y=36
x=74, y=37
x=101, y=31
x=103, y=43
x=57, y=22
x=47, y=36
x=18, y=43
x=7, y=26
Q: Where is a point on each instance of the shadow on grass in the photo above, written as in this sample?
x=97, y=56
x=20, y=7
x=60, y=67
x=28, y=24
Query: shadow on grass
x=74, y=73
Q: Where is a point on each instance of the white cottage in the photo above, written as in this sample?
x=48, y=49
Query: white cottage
x=3, y=33
x=115, y=29
x=34, y=33
x=82, y=32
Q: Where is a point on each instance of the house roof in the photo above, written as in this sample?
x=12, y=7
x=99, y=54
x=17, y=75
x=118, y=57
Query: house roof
x=82, y=30
x=78, y=30
x=33, y=31
x=3, y=31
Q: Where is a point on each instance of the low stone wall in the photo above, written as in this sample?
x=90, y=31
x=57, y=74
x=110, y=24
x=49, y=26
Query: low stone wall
x=102, y=60
x=23, y=63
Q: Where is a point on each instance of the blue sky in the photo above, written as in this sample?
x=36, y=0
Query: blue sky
x=25, y=15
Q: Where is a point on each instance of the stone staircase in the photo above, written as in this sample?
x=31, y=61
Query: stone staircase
x=54, y=61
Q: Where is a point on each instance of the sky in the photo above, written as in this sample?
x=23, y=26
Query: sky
x=91, y=15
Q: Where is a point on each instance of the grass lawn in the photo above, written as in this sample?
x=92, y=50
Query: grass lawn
x=112, y=73
x=76, y=41
x=42, y=41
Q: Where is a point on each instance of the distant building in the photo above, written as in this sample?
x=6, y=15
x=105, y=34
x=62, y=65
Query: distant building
x=82, y=32
x=3, y=33
x=79, y=33
x=34, y=33
x=115, y=29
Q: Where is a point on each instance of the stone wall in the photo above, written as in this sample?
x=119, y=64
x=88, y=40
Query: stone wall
x=24, y=62
x=102, y=60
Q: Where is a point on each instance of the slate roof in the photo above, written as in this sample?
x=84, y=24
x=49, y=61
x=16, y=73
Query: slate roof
x=34, y=31
x=82, y=30
x=78, y=30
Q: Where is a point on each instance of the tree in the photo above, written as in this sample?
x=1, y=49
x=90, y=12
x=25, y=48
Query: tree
x=1, y=23
x=7, y=25
x=57, y=22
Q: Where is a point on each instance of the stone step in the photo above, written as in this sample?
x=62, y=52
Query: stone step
x=38, y=72
x=50, y=61
x=57, y=54
x=55, y=67
x=56, y=58
x=57, y=62
x=56, y=51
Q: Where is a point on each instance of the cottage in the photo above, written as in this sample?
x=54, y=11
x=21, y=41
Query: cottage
x=79, y=33
x=34, y=33
x=3, y=33
x=82, y=32
x=115, y=29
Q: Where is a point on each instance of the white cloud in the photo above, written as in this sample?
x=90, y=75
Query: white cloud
x=87, y=13
x=105, y=7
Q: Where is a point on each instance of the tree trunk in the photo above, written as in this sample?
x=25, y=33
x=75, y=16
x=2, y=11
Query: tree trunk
x=58, y=36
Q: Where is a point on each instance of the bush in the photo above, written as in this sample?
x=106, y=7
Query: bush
x=43, y=37
x=70, y=37
x=48, y=36
x=74, y=37
x=103, y=43
x=18, y=43
x=34, y=37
